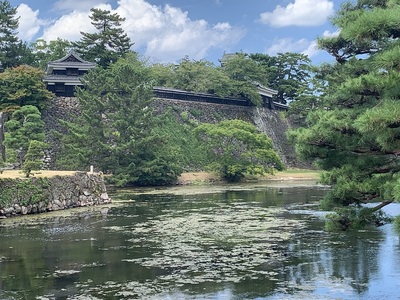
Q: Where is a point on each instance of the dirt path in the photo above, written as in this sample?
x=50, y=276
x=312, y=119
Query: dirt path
x=291, y=174
x=44, y=173
x=185, y=178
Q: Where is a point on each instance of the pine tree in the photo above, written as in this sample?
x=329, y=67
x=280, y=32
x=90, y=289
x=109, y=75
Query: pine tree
x=289, y=73
x=33, y=159
x=24, y=126
x=355, y=135
x=107, y=44
x=115, y=129
x=13, y=52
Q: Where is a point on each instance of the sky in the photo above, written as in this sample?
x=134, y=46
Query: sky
x=167, y=31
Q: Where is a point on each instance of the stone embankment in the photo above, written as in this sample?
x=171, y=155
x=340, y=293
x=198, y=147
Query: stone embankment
x=268, y=121
x=39, y=195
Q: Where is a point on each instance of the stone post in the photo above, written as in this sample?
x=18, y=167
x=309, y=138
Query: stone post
x=2, y=147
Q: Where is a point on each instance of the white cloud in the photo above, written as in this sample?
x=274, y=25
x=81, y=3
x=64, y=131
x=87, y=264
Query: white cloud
x=312, y=49
x=77, y=5
x=303, y=46
x=29, y=23
x=168, y=34
x=165, y=34
x=328, y=34
x=299, y=13
x=69, y=27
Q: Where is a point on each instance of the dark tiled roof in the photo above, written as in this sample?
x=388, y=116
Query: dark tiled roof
x=71, y=63
x=61, y=78
x=72, y=57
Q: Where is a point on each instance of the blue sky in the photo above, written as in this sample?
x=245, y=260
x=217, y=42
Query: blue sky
x=166, y=31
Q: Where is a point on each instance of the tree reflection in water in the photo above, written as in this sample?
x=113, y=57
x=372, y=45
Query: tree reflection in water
x=129, y=253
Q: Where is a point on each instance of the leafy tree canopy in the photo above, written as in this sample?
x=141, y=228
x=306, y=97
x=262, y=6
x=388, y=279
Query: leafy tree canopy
x=44, y=52
x=289, y=73
x=245, y=73
x=196, y=76
x=237, y=148
x=21, y=86
x=355, y=134
x=107, y=44
x=235, y=79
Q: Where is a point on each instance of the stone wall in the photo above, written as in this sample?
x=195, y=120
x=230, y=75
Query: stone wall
x=57, y=110
x=38, y=195
x=266, y=120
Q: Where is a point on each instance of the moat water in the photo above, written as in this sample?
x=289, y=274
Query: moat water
x=229, y=242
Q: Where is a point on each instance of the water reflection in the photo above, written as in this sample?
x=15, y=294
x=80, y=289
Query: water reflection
x=229, y=244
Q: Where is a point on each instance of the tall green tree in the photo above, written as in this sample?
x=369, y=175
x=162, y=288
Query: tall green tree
x=355, y=134
x=115, y=129
x=13, y=52
x=237, y=148
x=196, y=76
x=21, y=86
x=109, y=42
x=43, y=52
x=245, y=73
x=24, y=126
x=289, y=73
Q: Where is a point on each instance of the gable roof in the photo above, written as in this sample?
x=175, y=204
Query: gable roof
x=71, y=60
x=71, y=56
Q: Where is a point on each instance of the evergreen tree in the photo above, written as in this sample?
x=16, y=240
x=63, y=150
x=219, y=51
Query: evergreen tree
x=107, y=44
x=13, y=52
x=245, y=73
x=355, y=135
x=289, y=73
x=114, y=131
x=24, y=126
x=33, y=159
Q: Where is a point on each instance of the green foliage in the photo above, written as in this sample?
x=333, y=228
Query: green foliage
x=44, y=51
x=189, y=153
x=25, y=192
x=354, y=134
x=244, y=73
x=107, y=44
x=396, y=223
x=203, y=77
x=289, y=73
x=24, y=126
x=115, y=129
x=236, y=148
x=13, y=52
x=196, y=112
x=33, y=159
x=200, y=76
x=350, y=218
x=185, y=116
x=21, y=86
